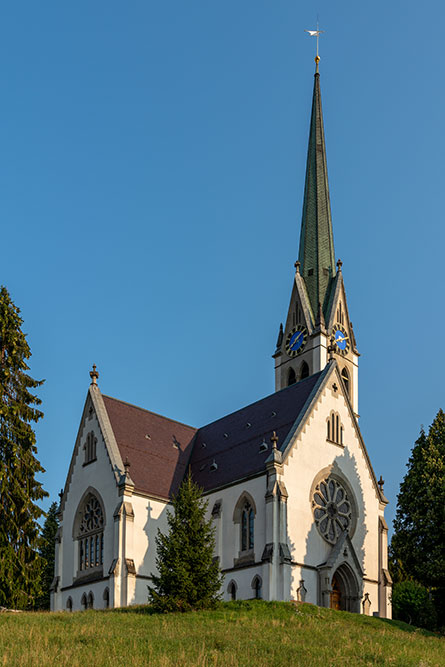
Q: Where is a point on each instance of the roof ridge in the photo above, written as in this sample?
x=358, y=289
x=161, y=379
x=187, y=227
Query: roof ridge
x=260, y=400
x=156, y=414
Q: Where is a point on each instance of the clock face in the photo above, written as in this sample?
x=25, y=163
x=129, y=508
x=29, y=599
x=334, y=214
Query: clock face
x=296, y=340
x=341, y=339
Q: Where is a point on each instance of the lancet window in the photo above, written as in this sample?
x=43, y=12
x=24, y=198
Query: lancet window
x=91, y=534
x=90, y=448
x=334, y=429
x=247, y=527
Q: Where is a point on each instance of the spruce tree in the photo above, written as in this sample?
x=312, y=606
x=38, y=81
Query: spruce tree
x=47, y=553
x=189, y=575
x=20, y=563
x=417, y=547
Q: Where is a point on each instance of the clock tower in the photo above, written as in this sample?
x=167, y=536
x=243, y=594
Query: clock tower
x=317, y=327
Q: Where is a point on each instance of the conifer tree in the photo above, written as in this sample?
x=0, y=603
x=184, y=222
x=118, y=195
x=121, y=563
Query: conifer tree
x=189, y=575
x=417, y=547
x=47, y=553
x=20, y=563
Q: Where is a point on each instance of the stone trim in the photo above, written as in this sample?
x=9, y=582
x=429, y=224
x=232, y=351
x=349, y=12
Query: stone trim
x=78, y=584
x=241, y=567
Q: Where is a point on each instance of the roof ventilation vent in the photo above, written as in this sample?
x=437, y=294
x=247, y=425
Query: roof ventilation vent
x=203, y=445
x=274, y=414
x=264, y=446
x=226, y=435
x=147, y=436
x=248, y=425
x=213, y=466
x=203, y=466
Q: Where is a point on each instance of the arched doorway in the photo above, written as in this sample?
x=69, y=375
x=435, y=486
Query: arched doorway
x=345, y=594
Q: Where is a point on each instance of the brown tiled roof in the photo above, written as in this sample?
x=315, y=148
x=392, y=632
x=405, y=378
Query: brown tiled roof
x=233, y=442
x=157, y=448
x=160, y=449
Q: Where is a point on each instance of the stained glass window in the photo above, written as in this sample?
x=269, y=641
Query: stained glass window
x=332, y=509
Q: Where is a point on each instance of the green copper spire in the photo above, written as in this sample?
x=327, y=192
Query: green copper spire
x=316, y=253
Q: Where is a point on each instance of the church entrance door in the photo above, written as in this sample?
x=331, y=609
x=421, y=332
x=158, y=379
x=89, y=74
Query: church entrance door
x=336, y=594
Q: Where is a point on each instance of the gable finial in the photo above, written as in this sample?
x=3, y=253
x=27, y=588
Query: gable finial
x=381, y=483
x=94, y=374
x=297, y=266
x=339, y=264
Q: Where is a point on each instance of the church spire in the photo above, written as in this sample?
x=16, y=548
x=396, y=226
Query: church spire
x=316, y=253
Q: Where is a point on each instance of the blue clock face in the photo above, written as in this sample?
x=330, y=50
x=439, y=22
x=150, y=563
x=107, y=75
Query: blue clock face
x=296, y=340
x=341, y=339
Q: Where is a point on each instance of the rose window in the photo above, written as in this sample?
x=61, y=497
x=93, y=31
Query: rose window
x=92, y=516
x=332, y=509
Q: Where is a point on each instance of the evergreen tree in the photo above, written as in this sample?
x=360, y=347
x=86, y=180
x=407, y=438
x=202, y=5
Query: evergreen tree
x=189, y=575
x=20, y=563
x=417, y=547
x=47, y=553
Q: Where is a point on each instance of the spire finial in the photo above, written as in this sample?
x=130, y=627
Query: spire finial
x=339, y=264
x=94, y=374
x=316, y=33
x=127, y=465
x=297, y=266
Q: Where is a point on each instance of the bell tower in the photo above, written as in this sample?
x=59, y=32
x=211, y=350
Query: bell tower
x=317, y=326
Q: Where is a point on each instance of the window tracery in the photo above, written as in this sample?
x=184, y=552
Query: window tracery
x=334, y=429
x=247, y=527
x=91, y=534
x=332, y=509
x=90, y=448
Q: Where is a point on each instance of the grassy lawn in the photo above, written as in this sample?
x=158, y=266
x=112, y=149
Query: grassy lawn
x=237, y=633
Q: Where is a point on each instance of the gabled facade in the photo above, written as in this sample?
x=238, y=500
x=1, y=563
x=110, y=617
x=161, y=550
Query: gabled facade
x=297, y=510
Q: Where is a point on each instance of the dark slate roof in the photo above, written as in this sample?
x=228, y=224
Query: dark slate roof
x=157, y=448
x=159, y=462
x=316, y=240
x=233, y=442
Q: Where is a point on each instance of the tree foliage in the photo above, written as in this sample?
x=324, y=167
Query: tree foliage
x=411, y=603
x=189, y=576
x=47, y=553
x=417, y=547
x=20, y=563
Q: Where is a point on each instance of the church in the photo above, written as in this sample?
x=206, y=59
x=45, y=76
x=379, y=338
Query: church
x=297, y=509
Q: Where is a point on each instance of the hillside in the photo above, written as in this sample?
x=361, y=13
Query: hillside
x=239, y=633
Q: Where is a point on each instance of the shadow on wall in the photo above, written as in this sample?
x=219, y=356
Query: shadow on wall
x=330, y=503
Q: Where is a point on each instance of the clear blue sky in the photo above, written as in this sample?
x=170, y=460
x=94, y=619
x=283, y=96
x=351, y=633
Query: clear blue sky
x=152, y=159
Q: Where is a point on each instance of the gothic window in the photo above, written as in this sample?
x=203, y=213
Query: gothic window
x=106, y=598
x=345, y=378
x=90, y=448
x=69, y=605
x=84, y=602
x=304, y=371
x=247, y=527
x=90, y=534
x=257, y=587
x=340, y=314
x=90, y=600
x=332, y=509
x=334, y=429
x=232, y=590
x=291, y=378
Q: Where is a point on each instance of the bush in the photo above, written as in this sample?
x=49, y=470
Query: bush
x=411, y=603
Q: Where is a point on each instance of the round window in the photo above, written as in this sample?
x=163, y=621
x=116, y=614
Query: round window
x=332, y=509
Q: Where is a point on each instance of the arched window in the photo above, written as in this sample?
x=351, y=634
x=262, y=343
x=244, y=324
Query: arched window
x=84, y=602
x=304, y=371
x=106, y=598
x=90, y=600
x=345, y=378
x=247, y=527
x=90, y=533
x=232, y=590
x=69, y=604
x=257, y=586
x=90, y=448
x=334, y=428
x=291, y=377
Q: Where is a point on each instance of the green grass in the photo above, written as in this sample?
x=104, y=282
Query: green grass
x=237, y=633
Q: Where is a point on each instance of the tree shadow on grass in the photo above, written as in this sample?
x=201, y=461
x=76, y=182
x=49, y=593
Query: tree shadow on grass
x=406, y=627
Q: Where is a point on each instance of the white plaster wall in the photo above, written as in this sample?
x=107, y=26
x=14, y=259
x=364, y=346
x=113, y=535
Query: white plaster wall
x=230, y=533
x=311, y=454
x=99, y=476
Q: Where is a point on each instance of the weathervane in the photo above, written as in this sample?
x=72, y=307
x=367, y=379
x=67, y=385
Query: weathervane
x=316, y=33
